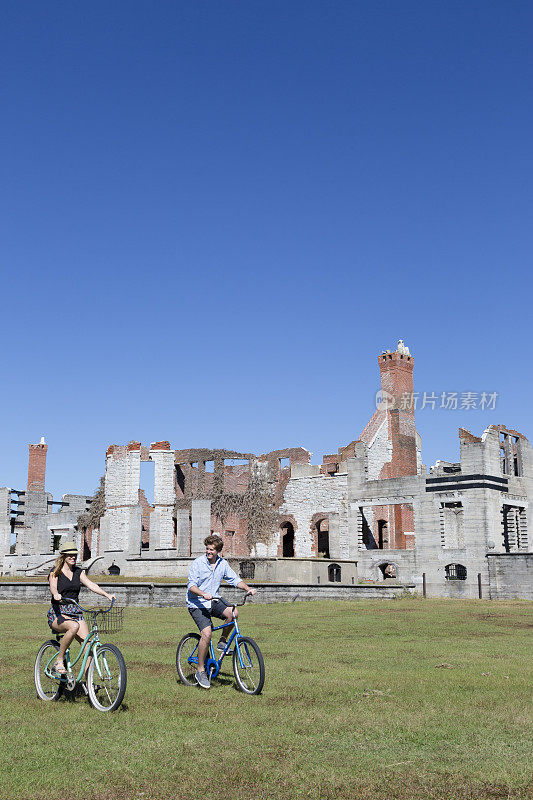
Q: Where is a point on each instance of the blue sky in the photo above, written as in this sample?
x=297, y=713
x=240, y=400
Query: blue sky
x=215, y=215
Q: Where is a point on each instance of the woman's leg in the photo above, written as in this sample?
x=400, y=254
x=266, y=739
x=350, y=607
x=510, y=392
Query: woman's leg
x=69, y=629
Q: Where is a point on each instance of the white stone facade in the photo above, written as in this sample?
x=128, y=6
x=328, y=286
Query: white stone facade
x=307, y=496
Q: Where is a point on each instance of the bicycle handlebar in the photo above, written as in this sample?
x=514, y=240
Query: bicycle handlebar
x=232, y=605
x=87, y=610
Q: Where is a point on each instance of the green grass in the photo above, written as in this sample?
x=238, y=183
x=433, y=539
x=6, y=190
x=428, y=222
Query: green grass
x=404, y=699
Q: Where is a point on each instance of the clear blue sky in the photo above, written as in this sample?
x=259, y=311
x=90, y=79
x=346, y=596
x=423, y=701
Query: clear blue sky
x=216, y=214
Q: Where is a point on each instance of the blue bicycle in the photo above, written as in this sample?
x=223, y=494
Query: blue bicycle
x=248, y=663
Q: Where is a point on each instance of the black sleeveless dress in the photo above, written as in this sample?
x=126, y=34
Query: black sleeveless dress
x=69, y=589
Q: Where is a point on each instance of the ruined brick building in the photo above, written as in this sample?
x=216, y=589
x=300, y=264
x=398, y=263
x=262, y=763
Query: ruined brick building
x=369, y=512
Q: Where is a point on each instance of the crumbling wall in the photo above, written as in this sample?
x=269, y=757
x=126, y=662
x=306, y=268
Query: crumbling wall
x=120, y=526
x=245, y=498
x=306, y=497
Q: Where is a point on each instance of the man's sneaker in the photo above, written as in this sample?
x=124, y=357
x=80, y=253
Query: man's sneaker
x=221, y=645
x=202, y=680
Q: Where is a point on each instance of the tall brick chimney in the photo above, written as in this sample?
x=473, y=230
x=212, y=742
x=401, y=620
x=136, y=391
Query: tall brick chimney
x=397, y=382
x=37, y=466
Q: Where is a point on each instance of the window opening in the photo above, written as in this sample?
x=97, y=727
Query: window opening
x=514, y=528
x=503, y=459
x=180, y=478
x=334, y=573
x=247, y=570
x=287, y=540
x=86, y=550
x=387, y=571
x=383, y=534
x=451, y=525
x=322, y=535
x=455, y=572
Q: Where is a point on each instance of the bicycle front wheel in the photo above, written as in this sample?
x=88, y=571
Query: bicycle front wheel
x=106, y=678
x=187, y=650
x=47, y=688
x=248, y=666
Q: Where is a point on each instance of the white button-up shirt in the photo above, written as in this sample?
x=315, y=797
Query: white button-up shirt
x=208, y=577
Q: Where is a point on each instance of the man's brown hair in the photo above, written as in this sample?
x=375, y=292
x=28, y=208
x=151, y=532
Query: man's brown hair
x=215, y=540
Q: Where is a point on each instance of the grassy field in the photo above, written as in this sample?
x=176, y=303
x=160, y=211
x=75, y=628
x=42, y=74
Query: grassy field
x=404, y=699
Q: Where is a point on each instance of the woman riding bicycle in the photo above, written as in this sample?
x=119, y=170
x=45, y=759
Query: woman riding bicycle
x=65, y=581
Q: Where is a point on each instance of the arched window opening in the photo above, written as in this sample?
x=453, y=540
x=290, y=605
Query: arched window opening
x=287, y=540
x=114, y=569
x=455, y=572
x=334, y=573
x=388, y=571
x=322, y=538
x=383, y=534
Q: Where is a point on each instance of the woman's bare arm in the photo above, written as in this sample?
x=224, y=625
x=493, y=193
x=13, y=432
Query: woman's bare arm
x=95, y=588
x=52, y=580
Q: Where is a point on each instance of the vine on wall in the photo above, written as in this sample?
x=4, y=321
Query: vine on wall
x=256, y=505
x=91, y=518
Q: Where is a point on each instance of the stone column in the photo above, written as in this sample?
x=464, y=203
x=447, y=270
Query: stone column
x=5, y=523
x=120, y=527
x=201, y=525
x=183, y=545
x=161, y=523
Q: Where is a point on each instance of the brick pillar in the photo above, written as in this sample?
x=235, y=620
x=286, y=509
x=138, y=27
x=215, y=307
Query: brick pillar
x=37, y=466
x=397, y=381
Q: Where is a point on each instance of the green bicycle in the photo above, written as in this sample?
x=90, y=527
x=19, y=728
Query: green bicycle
x=106, y=674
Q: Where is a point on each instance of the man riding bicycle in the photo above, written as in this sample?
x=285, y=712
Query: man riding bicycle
x=205, y=576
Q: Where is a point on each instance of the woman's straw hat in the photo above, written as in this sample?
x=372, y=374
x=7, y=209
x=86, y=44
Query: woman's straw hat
x=69, y=548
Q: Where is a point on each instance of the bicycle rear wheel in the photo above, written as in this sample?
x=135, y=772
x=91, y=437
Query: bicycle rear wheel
x=187, y=647
x=250, y=676
x=107, y=688
x=47, y=688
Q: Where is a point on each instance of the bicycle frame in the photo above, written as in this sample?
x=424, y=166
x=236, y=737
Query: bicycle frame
x=87, y=648
x=212, y=664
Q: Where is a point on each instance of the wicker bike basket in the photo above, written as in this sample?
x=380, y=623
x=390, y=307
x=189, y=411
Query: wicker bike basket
x=112, y=622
